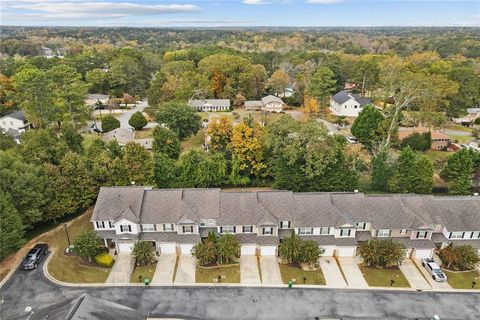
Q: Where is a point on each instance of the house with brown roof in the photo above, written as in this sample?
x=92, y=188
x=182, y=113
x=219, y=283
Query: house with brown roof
x=175, y=219
x=440, y=141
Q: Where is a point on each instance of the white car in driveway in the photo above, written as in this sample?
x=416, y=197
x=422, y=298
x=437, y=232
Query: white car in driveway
x=434, y=270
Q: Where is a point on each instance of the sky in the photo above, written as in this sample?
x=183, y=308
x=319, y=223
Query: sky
x=246, y=13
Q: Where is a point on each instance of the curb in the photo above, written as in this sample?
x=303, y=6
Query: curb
x=10, y=274
x=235, y=285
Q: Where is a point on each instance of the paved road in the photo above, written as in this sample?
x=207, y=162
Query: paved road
x=31, y=288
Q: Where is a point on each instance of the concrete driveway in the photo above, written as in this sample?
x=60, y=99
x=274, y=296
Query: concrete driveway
x=270, y=270
x=165, y=269
x=185, y=269
x=332, y=273
x=413, y=275
x=249, y=273
x=434, y=284
x=122, y=268
x=352, y=273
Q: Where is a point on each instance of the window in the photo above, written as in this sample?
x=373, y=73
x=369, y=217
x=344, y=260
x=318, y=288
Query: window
x=284, y=224
x=403, y=231
x=110, y=224
x=100, y=224
x=247, y=229
x=148, y=227
x=202, y=223
x=383, y=233
x=267, y=231
x=345, y=232
x=227, y=229
x=305, y=231
x=168, y=227
x=126, y=228
x=324, y=231
x=422, y=234
x=475, y=235
x=187, y=229
x=361, y=225
x=456, y=235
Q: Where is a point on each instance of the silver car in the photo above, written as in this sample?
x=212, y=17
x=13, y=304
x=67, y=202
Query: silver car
x=434, y=270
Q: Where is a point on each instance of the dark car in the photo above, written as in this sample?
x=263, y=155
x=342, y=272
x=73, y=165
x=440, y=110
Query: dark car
x=34, y=256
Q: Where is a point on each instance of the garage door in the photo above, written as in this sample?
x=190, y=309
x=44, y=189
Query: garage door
x=329, y=250
x=125, y=247
x=422, y=253
x=186, y=248
x=268, y=250
x=248, y=250
x=168, y=248
x=345, y=251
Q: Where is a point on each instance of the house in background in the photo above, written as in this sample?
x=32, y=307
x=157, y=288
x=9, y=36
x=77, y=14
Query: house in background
x=14, y=124
x=469, y=119
x=207, y=105
x=348, y=104
x=124, y=136
x=93, y=99
x=269, y=103
x=440, y=141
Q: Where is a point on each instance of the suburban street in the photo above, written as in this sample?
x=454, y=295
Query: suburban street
x=31, y=288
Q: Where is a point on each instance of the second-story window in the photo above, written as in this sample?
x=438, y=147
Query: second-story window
x=475, y=235
x=267, y=231
x=324, y=231
x=305, y=231
x=422, y=234
x=456, y=235
x=148, y=227
x=227, y=229
x=403, y=231
x=167, y=227
x=126, y=228
x=284, y=224
x=345, y=232
x=247, y=229
x=187, y=229
x=100, y=224
x=383, y=233
x=361, y=225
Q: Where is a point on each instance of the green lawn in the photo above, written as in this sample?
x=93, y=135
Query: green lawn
x=88, y=139
x=437, y=155
x=146, y=272
x=229, y=274
x=144, y=133
x=313, y=277
x=71, y=268
x=382, y=277
x=454, y=126
x=463, y=280
x=194, y=142
x=460, y=139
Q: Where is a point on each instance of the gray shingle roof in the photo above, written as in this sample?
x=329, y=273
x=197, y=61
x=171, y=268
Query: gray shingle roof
x=19, y=115
x=253, y=104
x=344, y=95
x=169, y=237
x=254, y=239
x=112, y=201
x=317, y=209
x=331, y=240
x=268, y=99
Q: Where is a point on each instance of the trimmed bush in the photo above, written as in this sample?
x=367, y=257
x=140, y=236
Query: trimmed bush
x=137, y=120
x=104, y=260
x=110, y=123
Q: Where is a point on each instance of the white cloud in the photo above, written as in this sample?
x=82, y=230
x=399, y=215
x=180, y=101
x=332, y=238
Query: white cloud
x=78, y=9
x=254, y=2
x=324, y=1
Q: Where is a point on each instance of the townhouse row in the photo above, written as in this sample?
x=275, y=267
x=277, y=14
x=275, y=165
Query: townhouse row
x=173, y=220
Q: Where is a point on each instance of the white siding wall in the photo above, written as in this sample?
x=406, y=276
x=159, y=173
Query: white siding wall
x=345, y=109
x=135, y=227
x=11, y=123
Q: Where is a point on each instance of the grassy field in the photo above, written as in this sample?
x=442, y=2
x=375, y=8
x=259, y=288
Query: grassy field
x=463, y=280
x=460, y=139
x=312, y=277
x=229, y=274
x=88, y=139
x=194, y=142
x=437, y=155
x=144, y=133
x=458, y=127
x=146, y=272
x=382, y=277
x=70, y=268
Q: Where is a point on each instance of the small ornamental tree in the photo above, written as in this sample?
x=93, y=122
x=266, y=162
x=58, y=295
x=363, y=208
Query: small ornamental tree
x=228, y=248
x=310, y=252
x=143, y=252
x=137, y=120
x=206, y=253
x=417, y=141
x=290, y=248
x=381, y=253
x=110, y=123
x=460, y=258
x=87, y=245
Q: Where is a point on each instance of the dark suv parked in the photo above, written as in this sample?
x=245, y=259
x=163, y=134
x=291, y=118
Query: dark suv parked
x=34, y=256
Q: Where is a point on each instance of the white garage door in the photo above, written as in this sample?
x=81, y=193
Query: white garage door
x=186, y=248
x=345, y=251
x=268, y=250
x=168, y=248
x=125, y=247
x=248, y=250
x=422, y=253
x=329, y=250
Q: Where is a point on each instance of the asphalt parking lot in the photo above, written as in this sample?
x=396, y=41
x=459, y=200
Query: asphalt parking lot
x=31, y=288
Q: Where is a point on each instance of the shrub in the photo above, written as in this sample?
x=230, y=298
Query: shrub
x=110, y=123
x=104, y=260
x=381, y=253
x=459, y=258
x=418, y=142
x=310, y=252
x=228, y=248
x=290, y=248
x=87, y=244
x=205, y=252
x=137, y=120
x=143, y=252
